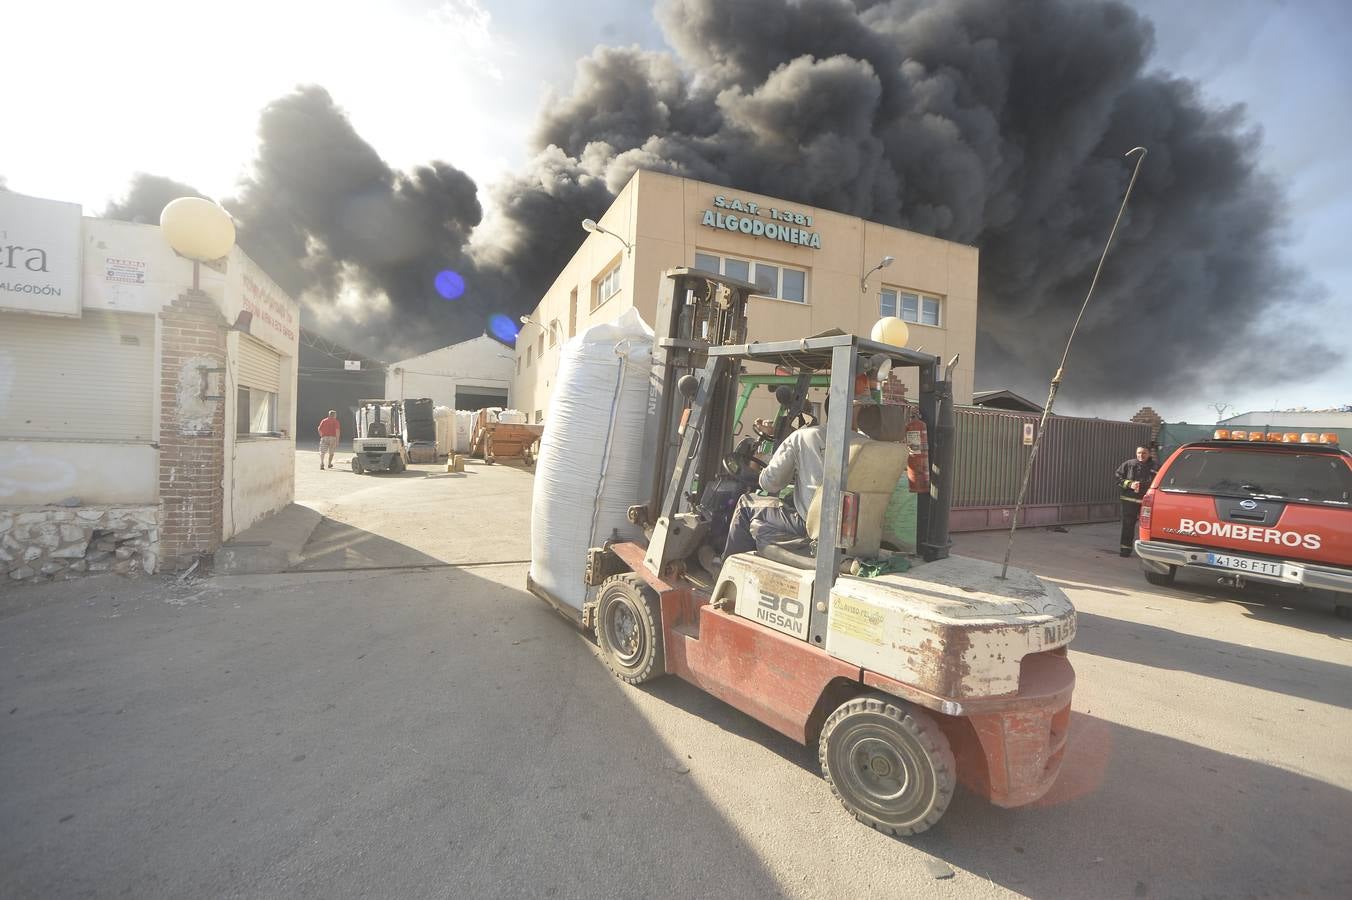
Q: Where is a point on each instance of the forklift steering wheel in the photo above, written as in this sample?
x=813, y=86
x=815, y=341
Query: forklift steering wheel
x=734, y=464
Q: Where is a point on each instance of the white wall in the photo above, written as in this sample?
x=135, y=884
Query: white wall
x=259, y=472
x=478, y=363
x=33, y=473
x=264, y=481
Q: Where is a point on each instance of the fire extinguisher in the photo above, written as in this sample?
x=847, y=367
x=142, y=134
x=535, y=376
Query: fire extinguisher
x=917, y=461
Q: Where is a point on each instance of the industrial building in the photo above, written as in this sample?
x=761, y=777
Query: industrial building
x=469, y=375
x=818, y=269
x=147, y=402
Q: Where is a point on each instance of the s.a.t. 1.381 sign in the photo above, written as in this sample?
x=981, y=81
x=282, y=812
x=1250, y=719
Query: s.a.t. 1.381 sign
x=749, y=217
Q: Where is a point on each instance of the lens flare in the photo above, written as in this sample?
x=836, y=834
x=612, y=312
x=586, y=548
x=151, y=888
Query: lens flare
x=503, y=328
x=449, y=284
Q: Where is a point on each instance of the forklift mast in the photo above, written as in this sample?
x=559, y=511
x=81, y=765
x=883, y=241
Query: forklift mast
x=696, y=310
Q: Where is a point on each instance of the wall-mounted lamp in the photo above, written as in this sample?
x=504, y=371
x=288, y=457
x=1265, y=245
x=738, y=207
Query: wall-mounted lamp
x=527, y=320
x=211, y=383
x=863, y=282
x=197, y=229
x=590, y=226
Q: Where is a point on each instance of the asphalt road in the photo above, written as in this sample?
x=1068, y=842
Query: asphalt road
x=432, y=730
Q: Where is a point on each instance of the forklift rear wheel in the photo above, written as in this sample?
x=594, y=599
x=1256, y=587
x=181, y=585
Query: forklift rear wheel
x=629, y=629
x=1162, y=579
x=357, y=467
x=888, y=763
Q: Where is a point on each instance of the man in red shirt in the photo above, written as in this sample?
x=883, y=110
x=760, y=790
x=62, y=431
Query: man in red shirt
x=329, y=431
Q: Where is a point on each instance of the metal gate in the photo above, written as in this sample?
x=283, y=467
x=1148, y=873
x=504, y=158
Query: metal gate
x=1072, y=479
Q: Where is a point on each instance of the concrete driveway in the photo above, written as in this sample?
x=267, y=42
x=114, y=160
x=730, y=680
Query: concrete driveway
x=401, y=719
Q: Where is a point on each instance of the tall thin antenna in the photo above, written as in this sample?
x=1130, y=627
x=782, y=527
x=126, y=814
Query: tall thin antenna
x=1056, y=379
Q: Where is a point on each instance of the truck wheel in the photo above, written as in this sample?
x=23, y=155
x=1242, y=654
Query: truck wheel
x=888, y=763
x=357, y=467
x=1162, y=579
x=629, y=629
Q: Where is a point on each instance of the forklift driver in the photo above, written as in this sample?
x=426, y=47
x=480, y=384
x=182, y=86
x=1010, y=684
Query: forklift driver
x=760, y=520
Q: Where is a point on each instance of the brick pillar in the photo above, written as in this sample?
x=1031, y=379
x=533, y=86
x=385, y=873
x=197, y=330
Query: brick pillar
x=192, y=430
x=1147, y=416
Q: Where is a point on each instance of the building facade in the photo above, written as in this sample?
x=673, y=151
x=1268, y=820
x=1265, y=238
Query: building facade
x=469, y=375
x=144, y=418
x=810, y=263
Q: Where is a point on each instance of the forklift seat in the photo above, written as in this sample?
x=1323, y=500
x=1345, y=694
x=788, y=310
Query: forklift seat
x=872, y=472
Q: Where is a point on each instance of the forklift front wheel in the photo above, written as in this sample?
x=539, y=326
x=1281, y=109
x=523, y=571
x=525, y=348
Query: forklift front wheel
x=629, y=629
x=888, y=763
x=357, y=467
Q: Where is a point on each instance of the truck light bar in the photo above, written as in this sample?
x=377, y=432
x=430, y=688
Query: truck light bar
x=1278, y=437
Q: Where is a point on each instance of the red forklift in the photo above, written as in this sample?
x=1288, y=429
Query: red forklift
x=933, y=670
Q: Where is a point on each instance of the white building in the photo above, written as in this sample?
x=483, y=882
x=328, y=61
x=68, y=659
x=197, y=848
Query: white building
x=471, y=375
x=142, y=421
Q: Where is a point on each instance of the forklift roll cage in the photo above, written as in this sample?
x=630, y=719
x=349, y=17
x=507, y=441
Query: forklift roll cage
x=688, y=441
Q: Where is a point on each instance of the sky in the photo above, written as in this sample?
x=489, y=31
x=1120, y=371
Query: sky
x=175, y=89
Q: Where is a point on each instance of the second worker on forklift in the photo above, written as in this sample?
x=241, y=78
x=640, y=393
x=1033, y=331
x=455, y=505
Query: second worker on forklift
x=761, y=520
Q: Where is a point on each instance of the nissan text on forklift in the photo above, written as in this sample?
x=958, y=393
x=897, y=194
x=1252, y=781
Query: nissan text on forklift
x=905, y=682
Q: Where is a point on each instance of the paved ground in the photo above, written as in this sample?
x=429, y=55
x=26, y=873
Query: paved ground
x=432, y=730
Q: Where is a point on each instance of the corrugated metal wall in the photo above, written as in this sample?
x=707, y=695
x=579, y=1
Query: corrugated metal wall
x=1072, y=478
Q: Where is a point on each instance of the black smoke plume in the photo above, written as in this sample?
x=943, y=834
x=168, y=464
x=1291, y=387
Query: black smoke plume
x=992, y=123
x=147, y=197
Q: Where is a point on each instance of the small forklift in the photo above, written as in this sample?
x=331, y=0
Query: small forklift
x=933, y=670
x=379, y=445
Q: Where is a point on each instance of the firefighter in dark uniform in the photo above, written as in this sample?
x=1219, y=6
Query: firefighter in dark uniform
x=1133, y=480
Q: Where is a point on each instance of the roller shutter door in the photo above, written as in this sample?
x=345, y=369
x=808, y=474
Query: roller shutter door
x=472, y=398
x=260, y=366
x=86, y=378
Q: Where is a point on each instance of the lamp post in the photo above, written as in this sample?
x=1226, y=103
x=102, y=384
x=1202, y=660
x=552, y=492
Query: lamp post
x=883, y=264
x=591, y=227
x=199, y=230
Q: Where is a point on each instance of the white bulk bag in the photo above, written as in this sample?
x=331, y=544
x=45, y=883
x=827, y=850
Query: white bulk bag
x=512, y=417
x=444, y=418
x=590, y=465
x=463, y=431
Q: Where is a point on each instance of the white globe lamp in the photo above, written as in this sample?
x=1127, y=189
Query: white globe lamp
x=197, y=228
x=890, y=330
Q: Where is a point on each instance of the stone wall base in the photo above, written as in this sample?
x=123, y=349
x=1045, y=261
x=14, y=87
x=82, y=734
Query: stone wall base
x=44, y=543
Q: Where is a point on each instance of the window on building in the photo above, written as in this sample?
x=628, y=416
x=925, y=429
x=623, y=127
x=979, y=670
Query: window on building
x=539, y=416
x=572, y=313
x=259, y=375
x=540, y=346
x=607, y=286
x=909, y=306
x=255, y=411
x=553, y=333
x=529, y=352
x=518, y=365
x=771, y=280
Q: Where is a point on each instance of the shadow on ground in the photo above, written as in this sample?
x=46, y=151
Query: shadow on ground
x=416, y=734
x=1161, y=648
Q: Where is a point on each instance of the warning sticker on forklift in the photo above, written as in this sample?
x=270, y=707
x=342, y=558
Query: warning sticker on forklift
x=853, y=619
